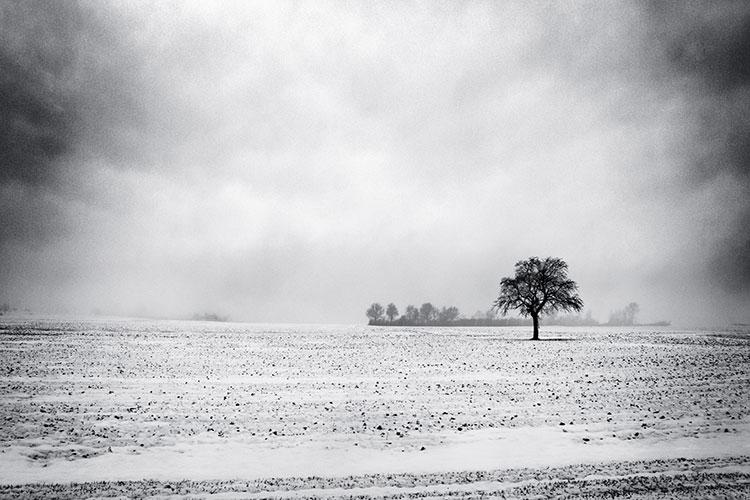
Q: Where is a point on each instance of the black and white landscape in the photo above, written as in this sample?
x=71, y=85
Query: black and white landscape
x=300, y=249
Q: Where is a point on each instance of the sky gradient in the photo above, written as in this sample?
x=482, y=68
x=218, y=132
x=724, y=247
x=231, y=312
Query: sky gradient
x=294, y=162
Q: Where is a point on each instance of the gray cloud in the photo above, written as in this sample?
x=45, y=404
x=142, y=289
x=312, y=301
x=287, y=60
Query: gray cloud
x=708, y=46
x=39, y=117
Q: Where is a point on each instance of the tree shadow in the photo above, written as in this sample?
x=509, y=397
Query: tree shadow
x=551, y=340
x=512, y=339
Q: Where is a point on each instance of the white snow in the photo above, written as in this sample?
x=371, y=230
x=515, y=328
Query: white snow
x=475, y=450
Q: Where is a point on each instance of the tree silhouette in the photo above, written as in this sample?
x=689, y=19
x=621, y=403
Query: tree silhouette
x=631, y=310
x=411, y=314
x=375, y=312
x=539, y=287
x=427, y=312
x=448, y=314
x=624, y=317
x=391, y=311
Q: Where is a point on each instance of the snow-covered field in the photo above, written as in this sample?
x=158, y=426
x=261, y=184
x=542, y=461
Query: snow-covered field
x=125, y=407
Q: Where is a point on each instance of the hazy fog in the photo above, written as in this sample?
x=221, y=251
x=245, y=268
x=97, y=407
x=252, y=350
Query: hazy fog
x=297, y=161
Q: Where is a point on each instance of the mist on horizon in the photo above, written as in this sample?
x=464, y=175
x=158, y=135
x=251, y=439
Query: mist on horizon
x=295, y=162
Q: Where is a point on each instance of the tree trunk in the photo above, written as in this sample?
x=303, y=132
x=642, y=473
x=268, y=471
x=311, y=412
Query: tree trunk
x=536, y=327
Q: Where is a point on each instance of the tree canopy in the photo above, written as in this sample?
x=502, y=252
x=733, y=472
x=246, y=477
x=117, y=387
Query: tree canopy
x=391, y=311
x=625, y=316
x=540, y=286
x=427, y=312
x=375, y=312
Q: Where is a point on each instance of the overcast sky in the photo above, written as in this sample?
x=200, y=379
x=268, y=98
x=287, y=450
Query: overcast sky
x=297, y=161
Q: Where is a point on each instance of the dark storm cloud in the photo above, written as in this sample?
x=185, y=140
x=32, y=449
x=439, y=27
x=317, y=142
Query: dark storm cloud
x=75, y=91
x=708, y=45
x=718, y=50
x=40, y=123
x=38, y=116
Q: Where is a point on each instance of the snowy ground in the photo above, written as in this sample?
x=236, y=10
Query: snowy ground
x=106, y=408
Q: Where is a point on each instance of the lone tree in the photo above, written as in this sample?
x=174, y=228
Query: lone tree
x=391, y=311
x=375, y=312
x=539, y=287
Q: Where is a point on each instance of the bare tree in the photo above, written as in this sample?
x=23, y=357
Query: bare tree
x=539, y=287
x=631, y=310
x=624, y=317
x=412, y=314
x=375, y=312
x=391, y=311
x=448, y=314
x=427, y=312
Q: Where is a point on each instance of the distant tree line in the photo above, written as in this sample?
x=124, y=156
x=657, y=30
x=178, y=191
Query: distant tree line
x=209, y=317
x=427, y=314
x=626, y=317
x=430, y=315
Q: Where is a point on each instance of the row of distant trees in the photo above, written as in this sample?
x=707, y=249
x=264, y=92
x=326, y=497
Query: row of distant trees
x=429, y=315
x=209, y=317
x=627, y=317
